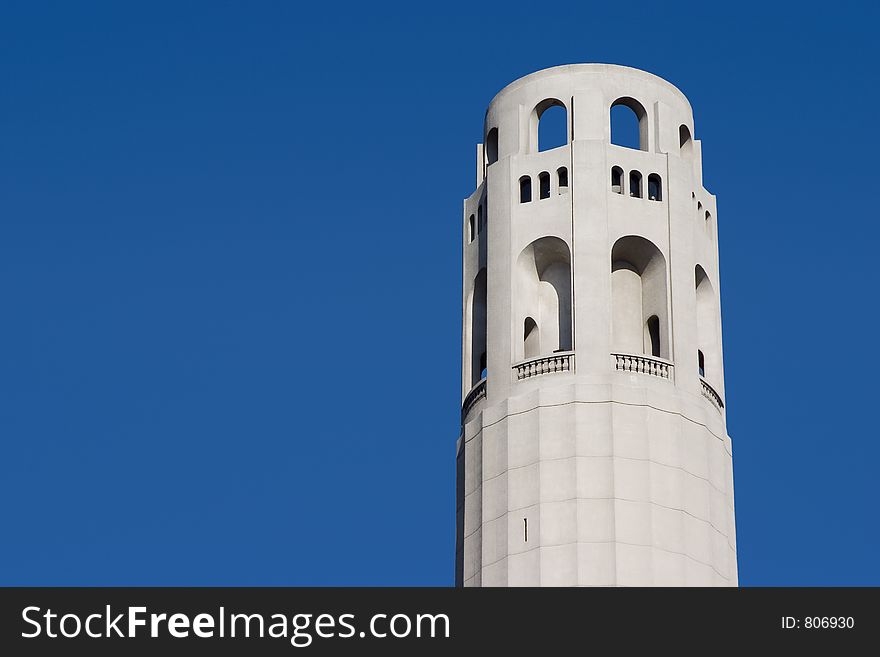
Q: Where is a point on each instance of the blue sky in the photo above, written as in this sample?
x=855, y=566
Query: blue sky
x=221, y=223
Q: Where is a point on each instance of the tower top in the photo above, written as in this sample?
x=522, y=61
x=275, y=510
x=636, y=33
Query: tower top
x=598, y=71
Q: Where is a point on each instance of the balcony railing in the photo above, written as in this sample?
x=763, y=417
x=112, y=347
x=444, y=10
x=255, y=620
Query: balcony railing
x=710, y=394
x=642, y=364
x=558, y=362
x=477, y=393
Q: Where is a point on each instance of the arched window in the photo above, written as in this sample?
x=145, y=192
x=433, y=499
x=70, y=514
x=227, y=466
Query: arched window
x=472, y=229
x=701, y=363
x=548, y=125
x=561, y=180
x=551, y=124
x=629, y=124
x=635, y=184
x=617, y=180
x=652, y=336
x=655, y=188
x=708, y=216
x=639, y=306
x=492, y=146
x=525, y=189
x=685, y=143
x=544, y=185
x=531, y=339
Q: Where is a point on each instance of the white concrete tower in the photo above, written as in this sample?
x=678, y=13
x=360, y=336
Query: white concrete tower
x=594, y=448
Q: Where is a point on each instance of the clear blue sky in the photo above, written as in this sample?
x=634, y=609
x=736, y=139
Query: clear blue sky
x=221, y=223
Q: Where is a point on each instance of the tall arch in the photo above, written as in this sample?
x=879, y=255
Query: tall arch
x=548, y=126
x=639, y=299
x=629, y=118
x=543, y=293
x=708, y=322
x=478, y=314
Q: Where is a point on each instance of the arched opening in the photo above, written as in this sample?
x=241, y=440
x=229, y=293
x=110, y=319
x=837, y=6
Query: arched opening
x=708, y=216
x=629, y=124
x=549, y=125
x=543, y=294
x=531, y=339
x=472, y=229
x=480, y=221
x=652, y=336
x=478, y=328
x=635, y=184
x=561, y=180
x=655, y=188
x=492, y=146
x=685, y=143
x=544, y=185
x=525, y=189
x=708, y=325
x=640, y=316
x=617, y=180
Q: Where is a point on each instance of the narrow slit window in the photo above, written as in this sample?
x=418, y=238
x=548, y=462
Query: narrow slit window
x=479, y=219
x=471, y=229
x=525, y=530
x=562, y=180
x=653, y=330
x=635, y=184
x=655, y=188
x=544, y=184
x=525, y=189
x=617, y=180
x=701, y=363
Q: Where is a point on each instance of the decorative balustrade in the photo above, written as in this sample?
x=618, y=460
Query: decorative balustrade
x=558, y=362
x=477, y=393
x=710, y=394
x=642, y=364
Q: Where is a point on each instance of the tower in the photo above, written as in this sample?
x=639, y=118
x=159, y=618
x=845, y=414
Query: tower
x=593, y=448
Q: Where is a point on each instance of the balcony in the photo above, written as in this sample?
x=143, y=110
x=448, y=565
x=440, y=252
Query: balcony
x=559, y=362
x=477, y=393
x=710, y=394
x=642, y=364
